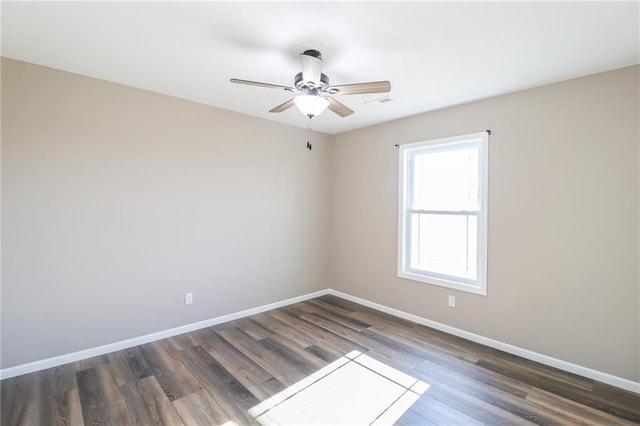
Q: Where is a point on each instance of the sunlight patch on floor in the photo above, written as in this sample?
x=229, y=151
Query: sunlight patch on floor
x=355, y=389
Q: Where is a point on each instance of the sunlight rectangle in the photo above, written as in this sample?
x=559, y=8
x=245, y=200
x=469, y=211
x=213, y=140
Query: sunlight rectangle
x=356, y=389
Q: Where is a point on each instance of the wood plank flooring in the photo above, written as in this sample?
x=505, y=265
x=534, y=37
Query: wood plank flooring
x=216, y=375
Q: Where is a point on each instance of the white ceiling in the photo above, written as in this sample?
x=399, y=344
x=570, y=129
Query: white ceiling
x=436, y=54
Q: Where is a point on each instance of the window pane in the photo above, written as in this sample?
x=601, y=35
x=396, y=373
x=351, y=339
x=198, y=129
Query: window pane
x=444, y=244
x=446, y=180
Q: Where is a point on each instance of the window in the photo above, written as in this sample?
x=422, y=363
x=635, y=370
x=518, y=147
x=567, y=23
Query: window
x=442, y=236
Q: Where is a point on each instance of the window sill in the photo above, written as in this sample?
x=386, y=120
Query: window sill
x=469, y=288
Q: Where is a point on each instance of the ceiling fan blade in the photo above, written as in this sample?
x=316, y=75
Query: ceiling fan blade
x=358, y=88
x=284, y=106
x=267, y=85
x=339, y=108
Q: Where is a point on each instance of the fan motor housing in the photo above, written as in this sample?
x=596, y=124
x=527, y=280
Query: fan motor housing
x=302, y=86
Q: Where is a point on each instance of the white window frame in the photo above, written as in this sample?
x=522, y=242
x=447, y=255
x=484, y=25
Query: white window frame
x=479, y=286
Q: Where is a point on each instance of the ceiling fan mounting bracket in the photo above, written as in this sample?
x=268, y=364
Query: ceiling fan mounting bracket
x=313, y=52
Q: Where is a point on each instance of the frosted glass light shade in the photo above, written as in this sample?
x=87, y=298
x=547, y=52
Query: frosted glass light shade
x=311, y=104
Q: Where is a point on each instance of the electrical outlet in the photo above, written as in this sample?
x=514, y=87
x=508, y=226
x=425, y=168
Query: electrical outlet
x=188, y=298
x=452, y=301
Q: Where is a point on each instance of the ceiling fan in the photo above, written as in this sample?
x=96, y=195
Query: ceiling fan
x=315, y=92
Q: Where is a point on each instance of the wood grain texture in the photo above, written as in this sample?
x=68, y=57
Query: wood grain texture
x=147, y=404
x=215, y=375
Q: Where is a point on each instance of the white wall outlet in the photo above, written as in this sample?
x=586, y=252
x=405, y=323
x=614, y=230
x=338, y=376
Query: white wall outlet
x=188, y=298
x=452, y=301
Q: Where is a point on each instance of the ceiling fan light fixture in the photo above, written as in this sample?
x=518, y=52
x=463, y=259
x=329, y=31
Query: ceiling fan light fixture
x=311, y=105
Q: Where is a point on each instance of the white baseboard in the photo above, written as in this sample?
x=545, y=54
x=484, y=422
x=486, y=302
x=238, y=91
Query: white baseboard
x=515, y=350
x=124, y=344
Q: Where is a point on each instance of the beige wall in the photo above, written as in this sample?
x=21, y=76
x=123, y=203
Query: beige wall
x=563, y=220
x=116, y=201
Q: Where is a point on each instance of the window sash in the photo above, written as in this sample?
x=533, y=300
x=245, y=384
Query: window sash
x=415, y=153
x=429, y=272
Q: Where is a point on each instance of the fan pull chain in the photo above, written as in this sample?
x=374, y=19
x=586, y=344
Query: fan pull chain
x=309, y=133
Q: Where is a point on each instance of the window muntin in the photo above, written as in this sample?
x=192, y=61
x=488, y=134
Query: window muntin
x=442, y=232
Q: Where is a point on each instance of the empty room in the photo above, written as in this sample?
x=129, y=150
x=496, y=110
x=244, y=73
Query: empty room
x=328, y=213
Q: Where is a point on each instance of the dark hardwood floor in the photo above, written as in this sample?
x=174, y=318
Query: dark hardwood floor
x=343, y=357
